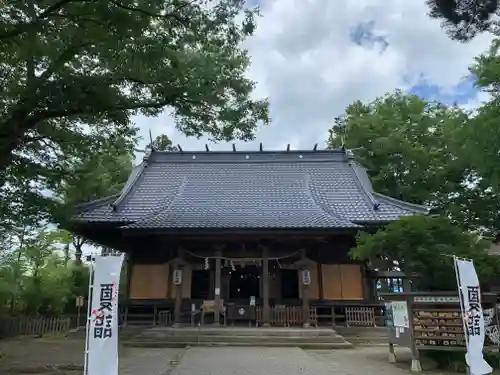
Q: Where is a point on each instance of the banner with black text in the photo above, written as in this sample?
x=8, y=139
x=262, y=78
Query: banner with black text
x=468, y=286
x=102, y=329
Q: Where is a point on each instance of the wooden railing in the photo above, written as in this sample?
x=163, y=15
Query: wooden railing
x=287, y=316
x=281, y=315
x=360, y=316
x=17, y=326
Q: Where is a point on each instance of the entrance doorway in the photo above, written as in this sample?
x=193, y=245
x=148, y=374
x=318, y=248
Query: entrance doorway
x=200, y=284
x=244, y=282
x=289, y=284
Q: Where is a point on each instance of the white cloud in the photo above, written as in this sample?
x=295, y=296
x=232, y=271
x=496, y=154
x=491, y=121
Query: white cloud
x=306, y=63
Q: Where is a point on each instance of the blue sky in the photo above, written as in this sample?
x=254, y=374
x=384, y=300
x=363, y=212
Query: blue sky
x=462, y=93
x=364, y=34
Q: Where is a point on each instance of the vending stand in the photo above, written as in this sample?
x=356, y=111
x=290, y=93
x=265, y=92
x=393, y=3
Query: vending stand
x=433, y=321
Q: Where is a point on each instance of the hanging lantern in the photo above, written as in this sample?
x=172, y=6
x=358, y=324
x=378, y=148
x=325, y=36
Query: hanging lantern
x=207, y=265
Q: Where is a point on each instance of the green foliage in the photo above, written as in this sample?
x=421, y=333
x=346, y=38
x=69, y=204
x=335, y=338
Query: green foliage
x=35, y=277
x=414, y=151
x=75, y=72
x=464, y=19
x=482, y=138
x=163, y=143
x=424, y=246
x=403, y=142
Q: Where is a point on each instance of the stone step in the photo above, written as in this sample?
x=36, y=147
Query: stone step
x=233, y=331
x=249, y=339
x=176, y=344
x=361, y=331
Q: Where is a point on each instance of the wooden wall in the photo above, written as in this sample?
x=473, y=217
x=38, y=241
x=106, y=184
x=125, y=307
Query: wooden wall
x=150, y=281
x=342, y=282
x=154, y=281
x=338, y=282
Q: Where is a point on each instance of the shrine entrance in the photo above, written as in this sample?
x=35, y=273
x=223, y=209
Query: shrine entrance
x=244, y=282
x=289, y=284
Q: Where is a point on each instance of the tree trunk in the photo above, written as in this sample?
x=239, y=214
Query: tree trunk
x=78, y=243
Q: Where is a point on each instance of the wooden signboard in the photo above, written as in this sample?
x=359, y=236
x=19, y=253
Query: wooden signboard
x=80, y=301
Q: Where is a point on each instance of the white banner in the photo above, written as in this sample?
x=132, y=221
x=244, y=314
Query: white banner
x=102, y=329
x=468, y=285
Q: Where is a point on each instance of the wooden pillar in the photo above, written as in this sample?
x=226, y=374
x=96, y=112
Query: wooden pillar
x=367, y=281
x=306, y=312
x=266, y=313
x=217, y=289
x=179, y=263
x=178, y=299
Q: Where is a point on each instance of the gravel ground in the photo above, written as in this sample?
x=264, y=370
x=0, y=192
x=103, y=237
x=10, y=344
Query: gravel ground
x=34, y=356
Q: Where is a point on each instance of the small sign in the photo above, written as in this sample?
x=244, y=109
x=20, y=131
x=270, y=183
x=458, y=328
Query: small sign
x=193, y=307
x=208, y=306
x=447, y=299
x=306, y=277
x=252, y=301
x=80, y=301
x=217, y=291
x=400, y=314
x=177, y=277
x=241, y=311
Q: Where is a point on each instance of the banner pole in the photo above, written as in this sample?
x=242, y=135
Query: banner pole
x=463, y=313
x=89, y=307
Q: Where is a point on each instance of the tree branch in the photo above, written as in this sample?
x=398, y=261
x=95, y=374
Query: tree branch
x=76, y=111
x=63, y=58
x=172, y=14
x=24, y=27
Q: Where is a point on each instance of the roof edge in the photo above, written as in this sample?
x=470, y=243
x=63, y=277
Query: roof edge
x=418, y=208
x=133, y=178
x=309, y=191
x=96, y=202
x=364, y=182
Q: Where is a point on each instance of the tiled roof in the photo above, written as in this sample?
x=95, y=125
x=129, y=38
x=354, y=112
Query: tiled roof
x=296, y=189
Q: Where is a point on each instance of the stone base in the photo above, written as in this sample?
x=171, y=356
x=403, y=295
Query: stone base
x=416, y=366
x=392, y=357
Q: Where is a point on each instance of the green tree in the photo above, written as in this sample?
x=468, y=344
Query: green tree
x=414, y=151
x=95, y=176
x=74, y=72
x=464, y=19
x=482, y=138
x=424, y=246
x=403, y=142
x=163, y=143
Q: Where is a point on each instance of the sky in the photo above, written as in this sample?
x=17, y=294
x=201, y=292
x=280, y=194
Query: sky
x=312, y=58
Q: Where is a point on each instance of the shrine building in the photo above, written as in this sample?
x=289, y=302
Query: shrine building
x=270, y=229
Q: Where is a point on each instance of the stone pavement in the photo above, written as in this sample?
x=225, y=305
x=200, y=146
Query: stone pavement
x=143, y=361
x=30, y=354
x=294, y=361
x=289, y=361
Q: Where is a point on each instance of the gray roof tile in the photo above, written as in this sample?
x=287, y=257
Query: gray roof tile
x=299, y=189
